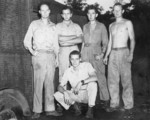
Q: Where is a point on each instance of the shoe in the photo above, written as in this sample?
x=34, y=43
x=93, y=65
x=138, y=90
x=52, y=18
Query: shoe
x=59, y=108
x=104, y=104
x=111, y=109
x=53, y=113
x=89, y=113
x=128, y=114
x=77, y=109
x=35, y=115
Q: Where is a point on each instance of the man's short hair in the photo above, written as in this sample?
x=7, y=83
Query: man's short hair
x=43, y=3
x=92, y=7
x=118, y=4
x=66, y=8
x=75, y=52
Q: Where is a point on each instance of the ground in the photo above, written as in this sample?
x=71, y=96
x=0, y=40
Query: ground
x=141, y=111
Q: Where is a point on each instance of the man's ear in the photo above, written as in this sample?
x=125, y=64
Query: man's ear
x=39, y=12
x=80, y=60
x=123, y=11
x=96, y=14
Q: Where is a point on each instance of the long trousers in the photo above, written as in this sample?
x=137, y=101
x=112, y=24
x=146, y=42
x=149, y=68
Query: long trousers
x=44, y=70
x=119, y=69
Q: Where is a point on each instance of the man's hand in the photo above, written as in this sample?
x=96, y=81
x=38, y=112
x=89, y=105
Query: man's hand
x=57, y=62
x=77, y=88
x=67, y=98
x=99, y=57
x=105, y=60
x=130, y=58
x=33, y=52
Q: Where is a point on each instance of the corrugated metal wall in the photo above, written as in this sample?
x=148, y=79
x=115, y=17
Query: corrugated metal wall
x=15, y=61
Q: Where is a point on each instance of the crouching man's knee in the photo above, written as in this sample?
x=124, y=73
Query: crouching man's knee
x=92, y=86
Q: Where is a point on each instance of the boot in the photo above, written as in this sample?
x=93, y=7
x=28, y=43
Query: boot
x=35, y=116
x=77, y=109
x=89, y=113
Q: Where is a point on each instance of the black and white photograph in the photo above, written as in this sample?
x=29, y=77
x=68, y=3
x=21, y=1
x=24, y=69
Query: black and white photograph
x=74, y=59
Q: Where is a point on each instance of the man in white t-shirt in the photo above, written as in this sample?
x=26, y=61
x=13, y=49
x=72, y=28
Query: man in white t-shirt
x=83, y=80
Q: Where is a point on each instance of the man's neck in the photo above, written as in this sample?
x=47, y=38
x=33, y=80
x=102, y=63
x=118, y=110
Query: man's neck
x=67, y=22
x=119, y=19
x=93, y=22
x=76, y=68
x=45, y=20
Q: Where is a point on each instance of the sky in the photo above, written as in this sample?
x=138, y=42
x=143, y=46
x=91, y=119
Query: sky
x=106, y=4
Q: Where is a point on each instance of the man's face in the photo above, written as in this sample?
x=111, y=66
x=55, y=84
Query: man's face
x=75, y=60
x=66, y=14
x=44, y=11
x=92, y=15
x=118, y=11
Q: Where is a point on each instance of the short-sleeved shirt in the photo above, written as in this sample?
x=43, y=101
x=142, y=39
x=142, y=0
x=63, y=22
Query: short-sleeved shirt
x=72, y=76
x=72, y=29
x=44, y=36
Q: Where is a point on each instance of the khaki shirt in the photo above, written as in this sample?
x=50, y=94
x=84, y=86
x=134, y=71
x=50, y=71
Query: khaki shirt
x=72, y=29
x=84, y=71
x=44, y=37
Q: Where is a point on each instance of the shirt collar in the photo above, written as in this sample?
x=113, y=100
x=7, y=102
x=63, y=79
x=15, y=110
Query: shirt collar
x=69, y=24
x=79, y=67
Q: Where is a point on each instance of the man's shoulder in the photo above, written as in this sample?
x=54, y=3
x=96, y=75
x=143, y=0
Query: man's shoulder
x=84, y=64
x=68, y=69
x=60, y=23
x=35, y=21
x=100, y=23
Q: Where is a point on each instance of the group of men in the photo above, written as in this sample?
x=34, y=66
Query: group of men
x=57, y=45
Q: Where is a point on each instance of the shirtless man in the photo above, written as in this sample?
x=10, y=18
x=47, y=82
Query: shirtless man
x=69, y=35
x=119, y=65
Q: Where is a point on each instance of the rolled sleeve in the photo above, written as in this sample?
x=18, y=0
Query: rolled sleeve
x=104, y=38
x=28, y=37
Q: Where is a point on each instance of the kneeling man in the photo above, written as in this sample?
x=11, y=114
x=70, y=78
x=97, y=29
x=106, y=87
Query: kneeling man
x=83, y=80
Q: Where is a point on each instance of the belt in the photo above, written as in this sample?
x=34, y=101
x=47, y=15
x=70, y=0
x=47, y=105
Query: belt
x=90, y=44
x=67, y=45
x=120, y=48
x=45, y=51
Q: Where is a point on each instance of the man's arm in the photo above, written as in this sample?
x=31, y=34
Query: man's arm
x=28, y=39
x=92, y=78
x=62, y=90
x=104, y=39
x=131, y=36
x=109, y=46
x=70, y=40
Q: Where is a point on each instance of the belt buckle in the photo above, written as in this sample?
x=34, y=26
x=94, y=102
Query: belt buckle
x=87, y=44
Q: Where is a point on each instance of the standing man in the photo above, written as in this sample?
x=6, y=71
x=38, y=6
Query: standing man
x=82, y=77
x=69, y=35
x=119, y=65
x=93, y=50
x=44, y=50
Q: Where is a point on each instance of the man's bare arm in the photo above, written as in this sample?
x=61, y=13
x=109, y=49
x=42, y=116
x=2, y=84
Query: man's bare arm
x=109, y=46
x=109, y=43
x=131, y=36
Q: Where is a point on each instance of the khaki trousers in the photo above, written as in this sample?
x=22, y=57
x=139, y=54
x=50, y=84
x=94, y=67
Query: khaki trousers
x=120, y=69
x=44, y=69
